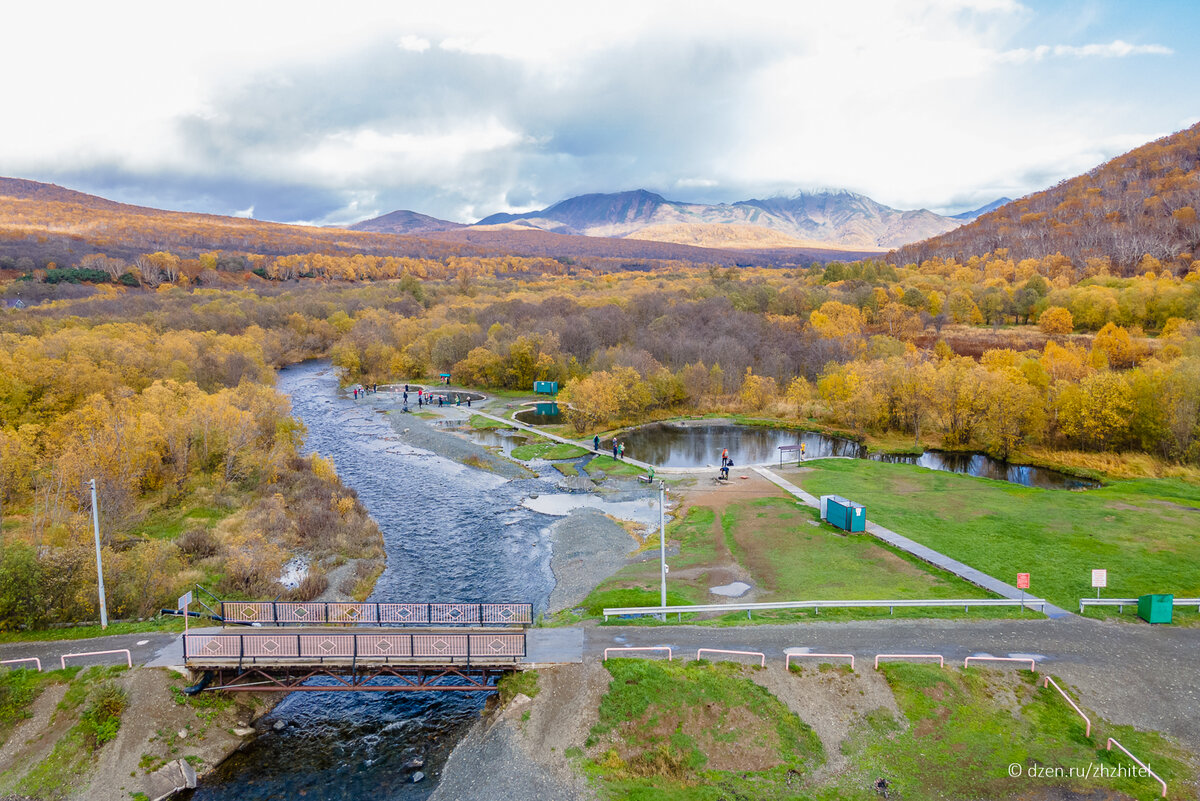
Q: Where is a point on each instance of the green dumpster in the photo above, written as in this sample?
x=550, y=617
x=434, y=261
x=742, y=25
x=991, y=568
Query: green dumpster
x=1156, y=608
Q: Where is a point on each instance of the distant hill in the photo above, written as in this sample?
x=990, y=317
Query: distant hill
x=1144, y=202
x=968, y=216
x=50, y=223
x=405, y=222
x=825, y=218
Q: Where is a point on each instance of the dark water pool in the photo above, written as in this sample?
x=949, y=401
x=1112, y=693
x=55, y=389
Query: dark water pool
x=701, y=444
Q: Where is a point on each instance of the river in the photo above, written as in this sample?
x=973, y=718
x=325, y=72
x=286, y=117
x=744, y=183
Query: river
x=452, y=533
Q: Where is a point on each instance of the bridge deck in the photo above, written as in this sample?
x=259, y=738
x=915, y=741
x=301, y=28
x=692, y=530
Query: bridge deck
x=297, y=647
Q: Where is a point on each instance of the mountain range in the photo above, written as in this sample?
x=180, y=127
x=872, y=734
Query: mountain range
x=823, y=218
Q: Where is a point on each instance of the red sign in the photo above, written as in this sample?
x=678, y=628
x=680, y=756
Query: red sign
x=1022, y=581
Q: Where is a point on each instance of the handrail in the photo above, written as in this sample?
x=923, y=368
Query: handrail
x=818, y=605
x=787, y=662
x=1032, y=663
x=33, y=659
x=318, y=647
x=377, y=614
x=128, y=657
x=667, y=648
x=760, y=654
x=941, y=660
x=1087, y=729
x=1145, y=767
x=1121, y=603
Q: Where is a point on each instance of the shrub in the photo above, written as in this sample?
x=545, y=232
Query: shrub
x=315, y=583
x=101, y=721
x=197, y=543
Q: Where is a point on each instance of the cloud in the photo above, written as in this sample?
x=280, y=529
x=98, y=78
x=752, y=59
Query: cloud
x=1114, y=49
x=414, y=44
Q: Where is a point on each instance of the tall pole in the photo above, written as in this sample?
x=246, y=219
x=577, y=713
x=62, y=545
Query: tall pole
x=99, y=566
x=662, y=543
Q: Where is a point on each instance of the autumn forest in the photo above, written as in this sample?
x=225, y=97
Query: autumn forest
x=1022, y=335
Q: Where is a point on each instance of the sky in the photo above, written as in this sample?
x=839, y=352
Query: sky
x=329, y=113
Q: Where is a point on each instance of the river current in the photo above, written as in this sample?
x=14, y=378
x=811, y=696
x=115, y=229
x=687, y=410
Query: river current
x=452, y=533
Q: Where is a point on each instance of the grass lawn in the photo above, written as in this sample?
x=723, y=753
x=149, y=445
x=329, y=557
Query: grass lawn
x=613, y=467
x=788, y=556
x=963, y=729
x=482, y=423
x=670, y=731
x=547, y=450
x=1143, y=531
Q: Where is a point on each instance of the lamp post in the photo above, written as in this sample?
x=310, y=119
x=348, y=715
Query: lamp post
x=99, y=566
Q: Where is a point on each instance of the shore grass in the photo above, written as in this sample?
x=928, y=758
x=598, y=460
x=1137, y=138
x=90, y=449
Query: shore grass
x=482, y=423
x=1142, y=531
x=613, y=467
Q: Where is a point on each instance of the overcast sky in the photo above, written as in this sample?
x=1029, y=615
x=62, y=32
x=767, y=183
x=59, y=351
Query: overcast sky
x=335, y=112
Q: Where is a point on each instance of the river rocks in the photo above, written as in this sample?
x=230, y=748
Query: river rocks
x=414, y=763
x=243, y=731
x=279, y=725
x=418, y=776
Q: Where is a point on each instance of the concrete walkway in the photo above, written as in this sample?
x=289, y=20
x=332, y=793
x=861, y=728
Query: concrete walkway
x=585, y=445
x=976, y=577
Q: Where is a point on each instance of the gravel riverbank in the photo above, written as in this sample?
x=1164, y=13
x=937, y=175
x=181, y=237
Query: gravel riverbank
x=587, y=547
x=420, y=433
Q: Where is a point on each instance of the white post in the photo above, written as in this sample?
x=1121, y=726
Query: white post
x=662, y=543
x=99, y=566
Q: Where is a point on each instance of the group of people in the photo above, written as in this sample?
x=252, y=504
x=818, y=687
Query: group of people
x=726, y=463
x=618, y=448
x=362, y=389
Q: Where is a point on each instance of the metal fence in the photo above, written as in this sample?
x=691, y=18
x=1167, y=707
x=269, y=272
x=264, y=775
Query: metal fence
x=277, y=613
x=966, y=603
x=1121, y=603
x=447, y=648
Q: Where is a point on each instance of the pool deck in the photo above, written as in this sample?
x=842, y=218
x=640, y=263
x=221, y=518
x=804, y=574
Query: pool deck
x=925, y=554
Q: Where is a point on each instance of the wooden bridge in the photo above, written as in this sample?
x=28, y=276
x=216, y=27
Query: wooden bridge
x=389, y=647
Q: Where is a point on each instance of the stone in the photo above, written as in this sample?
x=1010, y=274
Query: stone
x=418, y=776
x=242, y=731
x=183, y=734
x=279, y=725
x=734, y=590
x=414, y=763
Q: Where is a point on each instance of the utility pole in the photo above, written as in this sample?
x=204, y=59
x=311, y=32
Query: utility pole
x=662, y=542
x=99, y=566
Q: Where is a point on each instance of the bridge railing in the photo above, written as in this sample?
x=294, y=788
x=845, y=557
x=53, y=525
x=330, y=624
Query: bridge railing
x=748, y=608
x=1121, y=603
x=445, y=648
x=319, y=613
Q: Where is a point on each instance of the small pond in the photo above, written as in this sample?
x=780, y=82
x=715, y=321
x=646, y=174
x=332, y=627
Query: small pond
x=541, y=414
x=700, y=445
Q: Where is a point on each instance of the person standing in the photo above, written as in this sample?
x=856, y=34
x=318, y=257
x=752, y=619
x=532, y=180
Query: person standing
x=614, y=449
x=596, y=443
x=621, y=451
x=724, y=457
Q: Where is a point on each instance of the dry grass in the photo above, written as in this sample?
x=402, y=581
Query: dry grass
x=1111, y=465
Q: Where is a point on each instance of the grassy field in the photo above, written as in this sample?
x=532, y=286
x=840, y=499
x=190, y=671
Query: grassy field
x=544, y=449
x=606, y=465
x=702, y=732
x=780, y=547
x=963, y=729
x=1144, y=531
x=482, y=423
x=670, y=731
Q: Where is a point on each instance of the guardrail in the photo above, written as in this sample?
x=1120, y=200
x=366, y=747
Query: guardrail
x=317, y=648
x=128, y=657
x=762, y=657
x=1087, y=728
x=1032, y=663
x=966, y=603
x=667, y=648
x=1145, y=767
x=787, y=662
x=1121, y=603
x=279, y=613
x=941, y=659
x=33, y=659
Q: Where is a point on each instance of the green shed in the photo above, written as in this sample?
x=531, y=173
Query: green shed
x=845, y=514
x=1156, y=608
x=545, y=387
